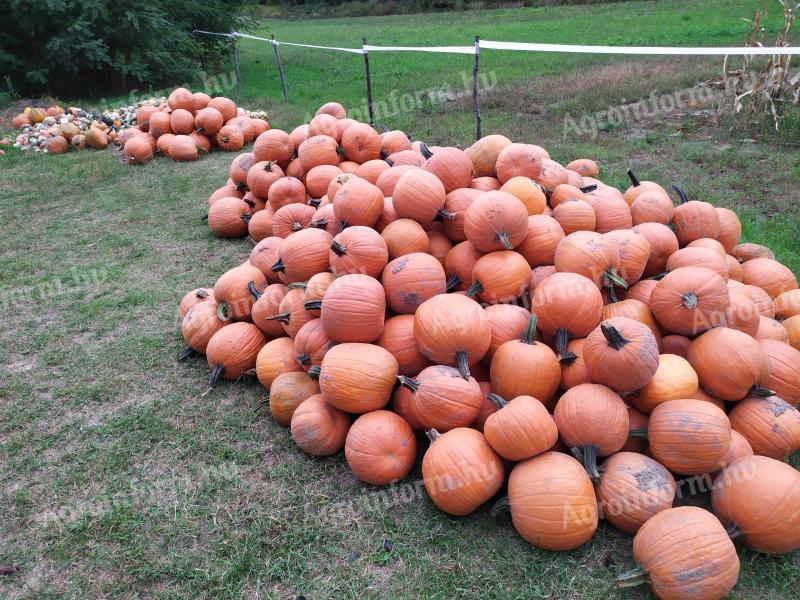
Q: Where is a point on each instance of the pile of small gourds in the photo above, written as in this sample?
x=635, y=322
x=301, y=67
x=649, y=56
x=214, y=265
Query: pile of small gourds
x=579, y=346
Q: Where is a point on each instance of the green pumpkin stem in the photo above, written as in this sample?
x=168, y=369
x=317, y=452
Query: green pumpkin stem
x=587, y=455
x=278, y=266
x=222, y=311
x=452, y=283
x=298, y=285
x=314, y=371
x=424, y=150
x=313, y=305
x=201, y=293
x=462, y=362
x=638, y=433
x=613, y=278
x=303, y=359
x=505, y=240
x=612, y=294
x=681, y=193
x=314, y=202
x=261, y=404
x=204, y=217
x=529, y=336
x=246, y=218
x=282, y=317
x=562, y=339
x=497, y=400
x=215, y=374
x=251, y=286
x=408, y=383
x=761, y=392
x=613, y=336
x=475, y=289
x=443, y=214
x=733, y=531
x=633, y=578
x=588, y=188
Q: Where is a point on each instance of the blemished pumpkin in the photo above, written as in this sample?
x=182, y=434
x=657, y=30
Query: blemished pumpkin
x=517, y=160
x=592, y=421
x=768, y=521
x=674, y=379
x=452, y=330
x=380, y=447
x=233, y=350
x=357, y=378
x=412, y=279
x=770, y=425
x=683, y=552
x=287, y=392
x=525, y=367
x=353, y=309
x=690, y=300
x=784, y=370
x=622, y=354
x=500, y=276
x=496, y=221
x=264, y=255
x=770, y=329
x=592, y=255
x=318, y=428
x=553, y=516
x=519, y=429
x=633, y=488
x=275, y=357
x=460, y=470
x=689, y=437
x=441, y=399
x=729, y=364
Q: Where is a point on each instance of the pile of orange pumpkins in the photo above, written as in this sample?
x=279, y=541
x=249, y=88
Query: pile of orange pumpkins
x=578, y=346
x=188, y=125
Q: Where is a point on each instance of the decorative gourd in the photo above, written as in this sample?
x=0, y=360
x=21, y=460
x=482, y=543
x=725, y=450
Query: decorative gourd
x=287, y=392
x=622, y=354
x=683, y=553
x=460, y=470
x=729, y=364
x=758, y=497
x=689, y=437
x=404, y=236
x=519, y=429
x=690, y=300
x=495, y=221
x=441, y=399
x=554, y=516
x=418, y=195
x=318, y=428
x=771, y=425
x=525, y=367
x=674, y=379
x=633, y=488
x=592, y=421
x=353, y=309
x=398, y=338
x=412, y=279
x=233, y=350
x=380, y=448
x=500, y=276
x=357, y=378
x=233, y=290
x=541, y=241
x=276, y=357
x=452, y=330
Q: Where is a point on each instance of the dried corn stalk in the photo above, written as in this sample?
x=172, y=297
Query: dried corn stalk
x=754, y=90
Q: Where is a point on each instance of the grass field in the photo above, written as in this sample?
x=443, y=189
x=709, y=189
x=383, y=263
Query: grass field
x=121, y=477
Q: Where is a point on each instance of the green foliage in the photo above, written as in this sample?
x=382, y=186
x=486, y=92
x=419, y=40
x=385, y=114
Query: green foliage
x=81, y=47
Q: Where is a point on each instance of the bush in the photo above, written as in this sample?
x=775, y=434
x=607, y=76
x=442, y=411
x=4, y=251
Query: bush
x=83, y=47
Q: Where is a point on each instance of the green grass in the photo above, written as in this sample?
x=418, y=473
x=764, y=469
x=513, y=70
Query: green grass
x=95, y=409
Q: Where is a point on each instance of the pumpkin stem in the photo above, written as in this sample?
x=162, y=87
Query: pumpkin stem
x=384, y=155
x=612, y=294
x=442, y=214
x=268, y=166
x=408, y=383
x=496, y=399
x=313, y=305
x=474, y=289
x=761, y=392
x=246, y=218
x=201, y=293
x=452, y=283
x=278, y=266
x=282, y=317
x=588, y=188
x=562, y=339
x=433, y=435
x=337, y=248
x=240, y=186
x=462, y=362
x=504, y=239
x=340, y=151
x=222, y=311
x=320, y=224
x=614, y=279
x=615, y=339
x=637, y=433
x=588, y=456
x=529, y=337
x=303, y=359
x=253, y=291
x=212, y=381
x=390, y=161
x=298, y=285
x=633, y=578
x=185, y=353
x=297, y=226
x=681, y=193
x=261, y=404
x=733, y=531
x=690, y=300
x=204, y=217
x=424, y=150
x=314, y=371
x=249, y=202
x=634, y=180
x=314, y=202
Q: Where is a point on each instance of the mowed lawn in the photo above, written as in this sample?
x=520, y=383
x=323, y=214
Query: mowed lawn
x=122, y=477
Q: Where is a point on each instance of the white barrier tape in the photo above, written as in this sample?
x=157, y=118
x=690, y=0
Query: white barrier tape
x=663, y=50
x=277, y=43
x=227, y=35
x=446, y=49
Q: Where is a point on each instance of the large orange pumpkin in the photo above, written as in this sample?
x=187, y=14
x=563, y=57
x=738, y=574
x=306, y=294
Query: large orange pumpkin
x=276, y=357
x=770, y=425
x=770, y=275
x=496, y=221
x=358, y=202
x=358, y=249
x=500, y=276
x=267, y=305
x=264, y=255
x=418, y=195
x=784, y=370
x=441, y=399
x=405, y=236
x=398, y=338
x=507, y=322
x=622, y=354
x=357, y=378
x=412, y=279
x=287, y=392
x=690, y=300
x=199, y=325
x=694, y=220
x=663, y=244
x=302, y=255
x=516, y=160
x=318, y=428
x=592, y=255
x=541, y=241
x=233, y=350
x=311, y=343
x=380, y=447
x=233, y=290
x=519, y=429
x=674, y=379
x=353, y=309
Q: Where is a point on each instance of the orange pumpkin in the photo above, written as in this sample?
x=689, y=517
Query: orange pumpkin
x=412, y=279
x=159, y=124
x=353, y=309
x=405, y=236
x=318, y=150
x=229, y=217
x=573, y=367
x=292, y=314
x=541, y=241
x=233, y=290
x=441, y=399
x=690, y=300
x=495, y=221
x=268, y=304
x=207, y=121
x=663, y=244
x=398, y=338
x=181, y=122
x=229, y=138
x=528, y=192
x=276, y=357
x=292, y=218
x=553, y=517
x=193, y=298
x=286, y=190
x=784, y=370
x=507, y=322
x=456, y=203
x=137, y=150
x=199, y=325
x=232, y=350
x=770, y=329
x=622, y=354
x=357, y=378
x=590, y=254
x=519, y=429
x=311, y=344
x=273, y=145
x=674, y=379
x=287, y=392
x=770, y=275
x=380, y=448
x=452, y=166
x=694, y=220
x=318, y=428
x=524, y=160
x=460, y=470
x=302, y=255
x=264, y=255
x=418, y=195
x=484, y=154
x=358, y=249
x=182, y=148
x=501, y=276
x=787, y=304
x=459, y=264
x=770, y=425
x=358, y=202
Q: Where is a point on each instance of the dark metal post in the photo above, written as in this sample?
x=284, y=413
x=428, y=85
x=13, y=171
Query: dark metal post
x=236, y=59
x=369, y=82
x=280, y=67
x=477, y=108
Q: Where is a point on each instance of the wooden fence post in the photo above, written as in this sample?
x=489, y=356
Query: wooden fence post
x=369, y=81
x=236, y=59
x=280, y=66
x=475, y=104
